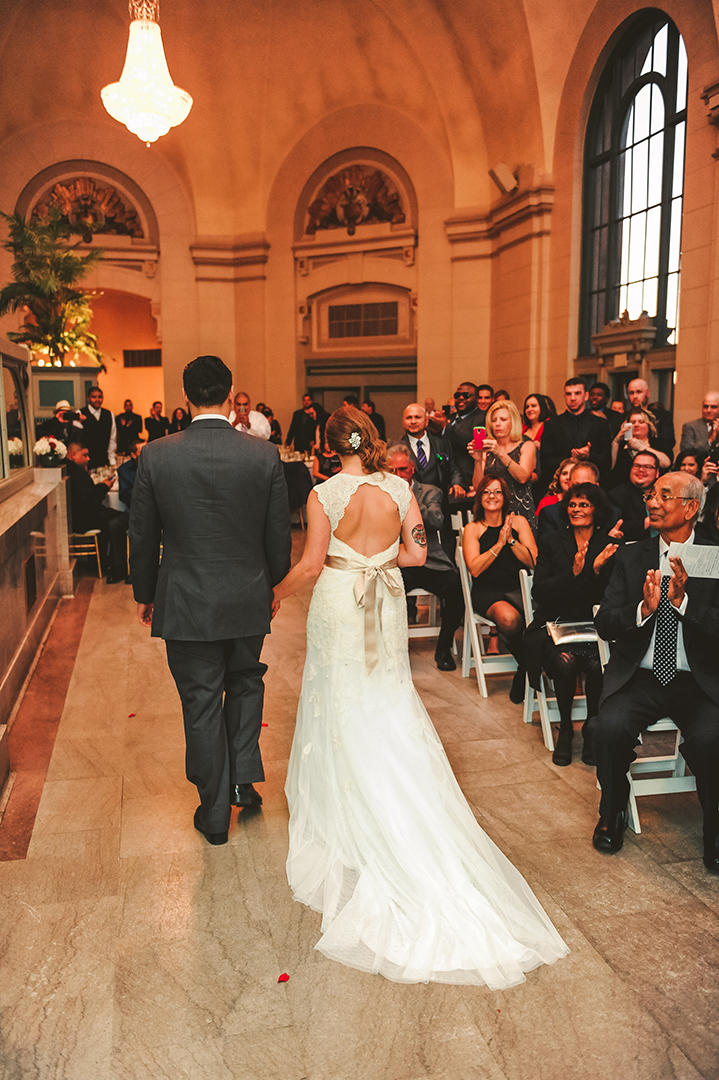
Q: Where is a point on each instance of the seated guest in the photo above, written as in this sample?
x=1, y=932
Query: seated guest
x=129, y=426
x=689, y=461
x=275, y=429
x=551, y=519
x=325, y=464
x=703, y=434
x=156, y=425
x=495, y=546
x=88, y=512
x=244, y=418
x=127, y=473
x=573, y=570
x=439, y=575
x=506, y=452
x=559, y=484
x=377, y=420
x=629, y=496
x=180, y=420
x=664, y=627
x=638, y=432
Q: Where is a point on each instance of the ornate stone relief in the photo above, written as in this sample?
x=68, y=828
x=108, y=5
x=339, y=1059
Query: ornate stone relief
x=92, y=209
x=356, y=195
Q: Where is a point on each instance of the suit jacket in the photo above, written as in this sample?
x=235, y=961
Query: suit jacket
x=86, y=499
x=217, y=500
x=429, y=500
x=695, y=437
x=551, y=521
x=617, y=617
x=459, y=433
x=129, y=427
x=301, y=432
x=633, y=510
x=95, y=435
x=565, y=432
x=440, y=470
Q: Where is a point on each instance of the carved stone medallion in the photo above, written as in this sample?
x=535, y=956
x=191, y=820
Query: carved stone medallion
x=91, y=209
x=356, y=195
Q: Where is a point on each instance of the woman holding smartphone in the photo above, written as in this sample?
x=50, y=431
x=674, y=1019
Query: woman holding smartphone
x=638, y=433
x=507, y=454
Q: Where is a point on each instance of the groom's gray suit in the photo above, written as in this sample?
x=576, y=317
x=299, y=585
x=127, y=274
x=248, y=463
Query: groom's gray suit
x=216, y=500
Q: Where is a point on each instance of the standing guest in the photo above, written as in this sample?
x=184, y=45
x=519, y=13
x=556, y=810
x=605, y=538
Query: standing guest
x=377, y=420
x=507, y=453
x=99, y=430
x=127, y=472
x=301, y=432
x=638, y=432
x=64, y=424
x=618, y=406
x=501, y=395
x=439, y=575
x=459, y=432
x=598, y=401
x=275, y=429
x=129, y=427
x=495, y=546
x=325, y=464
x=351, y=400
x=575, y=433
x=559, y=485
x=573, y=570
x=703, y=434
x=156, y=425
x=689, y=461
x=537, y=409
x=180, y=420
x=88, y=512
x=431, y=455
x=629, y=496
x=664, y=626
x=249, y=420
x=638, y=394
x=485, y=396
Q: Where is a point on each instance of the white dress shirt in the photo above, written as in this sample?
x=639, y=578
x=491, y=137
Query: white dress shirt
x=413, y=442
x=648, y=658
x=259, y=424
x=112, y=444
x=210, y=416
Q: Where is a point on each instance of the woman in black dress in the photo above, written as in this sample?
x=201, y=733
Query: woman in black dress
x=496, y=545
x=573, y=570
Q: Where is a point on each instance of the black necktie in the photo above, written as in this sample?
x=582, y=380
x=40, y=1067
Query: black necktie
x=421, y=456
x=664, y=665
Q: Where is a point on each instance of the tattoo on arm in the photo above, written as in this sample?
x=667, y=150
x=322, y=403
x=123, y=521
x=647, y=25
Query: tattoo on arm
x=419, y=535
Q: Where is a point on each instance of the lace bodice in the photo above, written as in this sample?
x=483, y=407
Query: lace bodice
x=335, y=494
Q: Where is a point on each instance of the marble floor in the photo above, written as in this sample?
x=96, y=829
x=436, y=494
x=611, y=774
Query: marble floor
x=132, y=950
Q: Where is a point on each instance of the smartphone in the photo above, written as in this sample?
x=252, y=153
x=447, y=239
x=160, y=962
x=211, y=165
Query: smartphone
x=447, y=410
x=628, y=432
x=480, y=434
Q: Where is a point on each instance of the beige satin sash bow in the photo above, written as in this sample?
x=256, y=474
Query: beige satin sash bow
x=366, y=595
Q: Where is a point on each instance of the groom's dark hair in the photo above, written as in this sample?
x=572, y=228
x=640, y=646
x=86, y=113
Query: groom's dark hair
x=207, y=381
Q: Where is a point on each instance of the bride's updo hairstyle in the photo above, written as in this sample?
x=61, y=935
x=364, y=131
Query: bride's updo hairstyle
x=350, y=431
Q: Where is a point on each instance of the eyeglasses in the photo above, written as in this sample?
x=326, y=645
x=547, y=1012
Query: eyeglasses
x=463, y=394
x=494, y=493
x=579, y=506
x=661, y=496
x=644, y=468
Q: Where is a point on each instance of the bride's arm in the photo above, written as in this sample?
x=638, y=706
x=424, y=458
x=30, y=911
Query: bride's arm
x=413, y=549
x=308, y=568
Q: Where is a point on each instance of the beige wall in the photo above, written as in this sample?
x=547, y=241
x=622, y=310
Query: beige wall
x=446, y=89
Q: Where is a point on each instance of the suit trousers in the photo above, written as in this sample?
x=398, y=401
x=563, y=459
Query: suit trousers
x=445, y=585
x=221, y=687
x=642, y=701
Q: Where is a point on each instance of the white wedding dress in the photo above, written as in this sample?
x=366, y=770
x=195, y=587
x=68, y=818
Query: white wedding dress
x=382, y=840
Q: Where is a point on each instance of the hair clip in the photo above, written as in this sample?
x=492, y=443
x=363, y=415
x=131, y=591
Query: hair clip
x=355, y=440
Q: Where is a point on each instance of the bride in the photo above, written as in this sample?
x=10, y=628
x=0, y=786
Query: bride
x=382, y=840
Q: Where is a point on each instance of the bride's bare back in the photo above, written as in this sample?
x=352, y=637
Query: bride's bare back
x=371, y=521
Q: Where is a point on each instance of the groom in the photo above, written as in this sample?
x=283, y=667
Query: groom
x=213, y=502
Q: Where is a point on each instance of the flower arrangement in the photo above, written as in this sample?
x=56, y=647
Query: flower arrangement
x=50, y=451
x=14, y=447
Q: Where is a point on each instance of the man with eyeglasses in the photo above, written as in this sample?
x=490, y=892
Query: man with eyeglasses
x=664, y=629
x=629, y=496
x=575, y=433
x=702, y=435
x=459, y=432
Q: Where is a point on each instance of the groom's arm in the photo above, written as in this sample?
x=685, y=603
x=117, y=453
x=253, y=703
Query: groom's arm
x=145, y=538
x=278, y=534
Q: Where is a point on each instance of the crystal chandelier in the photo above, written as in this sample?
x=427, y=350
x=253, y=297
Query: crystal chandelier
x=145, y=99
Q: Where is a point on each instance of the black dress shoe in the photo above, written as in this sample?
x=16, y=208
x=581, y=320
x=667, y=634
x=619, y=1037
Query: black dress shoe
x=563, y=750
x=214, y=838
x=711, y=852
x=609, y=833
x=587, y=755
x=114, y=579
x=444, y=660
x=516, y=690
x=245, y=795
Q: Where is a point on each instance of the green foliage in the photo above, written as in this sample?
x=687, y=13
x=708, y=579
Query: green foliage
x=46, y=271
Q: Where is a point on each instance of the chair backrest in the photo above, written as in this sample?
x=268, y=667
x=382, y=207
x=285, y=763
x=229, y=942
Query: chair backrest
x=525, y=584
x=602, y=645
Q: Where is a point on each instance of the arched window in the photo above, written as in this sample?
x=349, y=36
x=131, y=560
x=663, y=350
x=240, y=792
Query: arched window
x=633, y=182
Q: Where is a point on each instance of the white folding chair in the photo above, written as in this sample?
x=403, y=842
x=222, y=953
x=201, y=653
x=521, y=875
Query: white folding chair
x=473, y=648
x=87, y=543
x=671, y=768
x=432, y=627
x=544, y=700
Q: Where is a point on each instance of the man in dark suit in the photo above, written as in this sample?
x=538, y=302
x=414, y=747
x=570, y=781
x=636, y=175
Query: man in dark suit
x=665, y=632
x=99, y=431
x=129, y=427
x=375, y=417
x=460, y=431
x=702, y=435
x=433, y=463
x=156, y=425
x=301, y=432
x=576, y=433
x=629, y=497
x=439, y=575
x=216, y=498
x=89, y=512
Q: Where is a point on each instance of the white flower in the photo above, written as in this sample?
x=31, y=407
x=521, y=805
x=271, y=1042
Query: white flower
x=355, y=440
x=14, y=447
x=50, y=446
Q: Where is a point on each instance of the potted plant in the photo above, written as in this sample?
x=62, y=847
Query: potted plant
x=46, y=272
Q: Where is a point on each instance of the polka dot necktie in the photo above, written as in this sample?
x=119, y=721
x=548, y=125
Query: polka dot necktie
x=421, y=456
x=665, y=641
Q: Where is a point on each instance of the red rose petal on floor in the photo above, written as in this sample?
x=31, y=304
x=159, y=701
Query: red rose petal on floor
x=284, y=977
x=264, y=725
x=131, y=714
